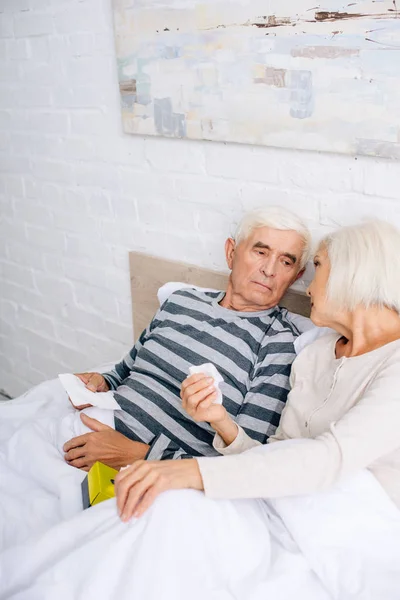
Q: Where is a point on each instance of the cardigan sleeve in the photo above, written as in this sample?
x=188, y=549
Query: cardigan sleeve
x=241, y=443
x=367, y=432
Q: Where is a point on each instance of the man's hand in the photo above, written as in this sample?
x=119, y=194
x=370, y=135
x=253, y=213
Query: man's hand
x=105, y=445
x=198, y=393
x=94, y=382
x=138, y=485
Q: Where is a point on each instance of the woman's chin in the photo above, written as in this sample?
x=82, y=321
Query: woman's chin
x=317, y=319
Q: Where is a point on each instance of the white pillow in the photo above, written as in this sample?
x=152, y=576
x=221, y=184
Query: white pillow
x=308, y=337
x=169, y=288
x=310, y=332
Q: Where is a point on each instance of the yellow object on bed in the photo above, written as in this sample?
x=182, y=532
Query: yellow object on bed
x=98, y=485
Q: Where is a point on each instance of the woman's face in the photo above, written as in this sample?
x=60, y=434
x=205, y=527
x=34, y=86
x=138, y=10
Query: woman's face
x=320, y=314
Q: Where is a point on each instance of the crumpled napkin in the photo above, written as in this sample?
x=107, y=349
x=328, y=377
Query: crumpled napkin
x=211, y=371
x=79, y=394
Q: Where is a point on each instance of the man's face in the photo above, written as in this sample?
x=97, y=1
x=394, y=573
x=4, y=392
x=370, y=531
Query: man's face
x=263, y=267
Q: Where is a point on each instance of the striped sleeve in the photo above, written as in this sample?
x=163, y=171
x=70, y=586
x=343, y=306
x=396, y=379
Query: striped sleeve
x=265, y=400
x=252, y=352
x=123, y=369
x=162, y=448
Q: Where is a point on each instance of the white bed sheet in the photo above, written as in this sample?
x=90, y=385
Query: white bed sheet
x=342, y=544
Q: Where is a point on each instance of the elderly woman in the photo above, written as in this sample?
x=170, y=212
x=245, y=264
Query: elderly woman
x=344, y=403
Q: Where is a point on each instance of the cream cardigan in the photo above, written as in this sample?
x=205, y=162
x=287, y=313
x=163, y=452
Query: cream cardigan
x=346, y=411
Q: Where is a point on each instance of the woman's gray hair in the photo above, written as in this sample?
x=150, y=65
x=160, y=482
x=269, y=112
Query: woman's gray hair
x=275, y=217
x=364, y=266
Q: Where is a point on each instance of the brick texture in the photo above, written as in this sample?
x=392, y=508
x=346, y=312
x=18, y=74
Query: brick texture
x=76, y=194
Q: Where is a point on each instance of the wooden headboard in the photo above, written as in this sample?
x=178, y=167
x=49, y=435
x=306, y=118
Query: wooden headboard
x=149, y=273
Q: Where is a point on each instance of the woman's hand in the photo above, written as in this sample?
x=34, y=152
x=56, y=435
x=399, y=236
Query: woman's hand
x=138, y=485
x=198, y=394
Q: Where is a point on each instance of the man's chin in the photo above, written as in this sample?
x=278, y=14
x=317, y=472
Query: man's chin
x=262, y=289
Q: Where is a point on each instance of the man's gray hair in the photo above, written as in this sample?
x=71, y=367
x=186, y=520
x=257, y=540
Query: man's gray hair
x=275, y=217
x=364, y=262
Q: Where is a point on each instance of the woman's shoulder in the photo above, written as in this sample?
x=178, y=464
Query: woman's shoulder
x=388, y=354
x=323, y=344
x=323, y=350
x=317, y=356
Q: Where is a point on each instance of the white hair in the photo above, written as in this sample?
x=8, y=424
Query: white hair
x=364, y=266
x=275, y=217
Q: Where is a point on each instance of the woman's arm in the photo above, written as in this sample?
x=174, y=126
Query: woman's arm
x=366, y=433
x=138, y=485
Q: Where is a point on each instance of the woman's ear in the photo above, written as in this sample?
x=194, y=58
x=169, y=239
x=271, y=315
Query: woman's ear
x=230, y=246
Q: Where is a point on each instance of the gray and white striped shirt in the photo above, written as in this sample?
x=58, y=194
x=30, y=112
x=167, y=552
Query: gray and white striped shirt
x=253, y=351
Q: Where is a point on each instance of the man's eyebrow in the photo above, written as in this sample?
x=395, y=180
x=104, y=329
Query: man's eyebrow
x=292, y=257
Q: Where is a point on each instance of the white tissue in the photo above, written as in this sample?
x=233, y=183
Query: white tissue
x=79, y=394
x=211, y=371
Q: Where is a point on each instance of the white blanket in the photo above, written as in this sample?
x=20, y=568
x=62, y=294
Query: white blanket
x=342, y=544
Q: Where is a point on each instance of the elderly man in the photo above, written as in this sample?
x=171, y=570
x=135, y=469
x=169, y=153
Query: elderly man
x=242, y=331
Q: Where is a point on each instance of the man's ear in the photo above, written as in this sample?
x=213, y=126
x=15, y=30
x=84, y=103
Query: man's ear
x=230, y=246
x=300, y=274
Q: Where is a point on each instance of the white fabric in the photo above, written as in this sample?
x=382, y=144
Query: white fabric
x=343, y=544
x=310, y=332
x=350, y=537
x=80, y=395
x=211, y=371
x=169, y=288
x=309, y=336
x=37, y=487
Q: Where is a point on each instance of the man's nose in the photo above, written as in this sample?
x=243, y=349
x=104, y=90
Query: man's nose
x=268, y=267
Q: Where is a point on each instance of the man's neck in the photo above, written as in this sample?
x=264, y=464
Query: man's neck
x=235, y=302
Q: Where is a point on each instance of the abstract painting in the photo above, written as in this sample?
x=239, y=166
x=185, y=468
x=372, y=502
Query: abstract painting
x=283, y=73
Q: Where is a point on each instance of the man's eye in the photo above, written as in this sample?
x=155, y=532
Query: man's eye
x=260, y=252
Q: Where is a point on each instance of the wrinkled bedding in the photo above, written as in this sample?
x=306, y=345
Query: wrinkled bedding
x=341, y=544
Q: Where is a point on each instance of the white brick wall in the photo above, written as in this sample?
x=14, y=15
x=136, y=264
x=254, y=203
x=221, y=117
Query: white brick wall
x=76, y=193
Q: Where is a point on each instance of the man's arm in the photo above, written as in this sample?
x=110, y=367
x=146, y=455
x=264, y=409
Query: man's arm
x=198, y=394
x=122, y=370
x=259, y=417
x=269, y=387
x=103, y=444
x=102, y=382
x=261, y=409
x=163, y=448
